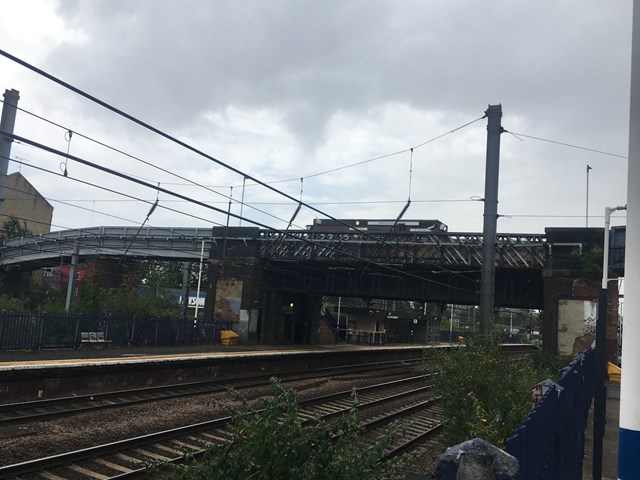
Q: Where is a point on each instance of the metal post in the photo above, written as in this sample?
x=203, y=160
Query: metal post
x=487, y=276
x=451, y=325
x=600, y=394
x=338, y=322
x=7, y=122
x=199, y=280
x=72, y=275
x=629, y=445
x=586, y=215
x=185, y=290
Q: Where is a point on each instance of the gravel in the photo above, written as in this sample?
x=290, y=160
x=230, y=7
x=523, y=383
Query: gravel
x=24, y=442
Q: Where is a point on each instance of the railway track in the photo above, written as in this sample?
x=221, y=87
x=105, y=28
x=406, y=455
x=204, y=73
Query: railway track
x=51, y=408
x=128, y=458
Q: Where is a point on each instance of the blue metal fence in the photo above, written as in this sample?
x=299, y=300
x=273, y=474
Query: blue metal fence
x=550, y=442
x=39, y=331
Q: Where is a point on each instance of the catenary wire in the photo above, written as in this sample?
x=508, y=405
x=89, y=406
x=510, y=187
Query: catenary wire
x=567, y=144
x=229, y=214
x=176, y=140
x=135, y=180
x=193, y=149
x=138, y=159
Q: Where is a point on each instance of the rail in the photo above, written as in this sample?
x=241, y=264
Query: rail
x=128, y=458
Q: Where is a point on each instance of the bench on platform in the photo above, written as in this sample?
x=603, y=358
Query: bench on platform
x=93, y=339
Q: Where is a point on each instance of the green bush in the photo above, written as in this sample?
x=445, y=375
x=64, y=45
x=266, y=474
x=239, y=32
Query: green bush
x=484, y=394
x=273, y=444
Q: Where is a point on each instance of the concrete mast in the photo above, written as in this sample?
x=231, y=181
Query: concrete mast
x=488, y=273
x=7, y=122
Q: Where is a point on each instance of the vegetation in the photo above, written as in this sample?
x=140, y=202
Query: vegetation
x=273, y=444
x=12, y=228
x=591, y=263
x=483, y=394
x=93, y=296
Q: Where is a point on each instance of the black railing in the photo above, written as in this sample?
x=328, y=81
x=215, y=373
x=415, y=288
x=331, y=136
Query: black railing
x=550, y=442
x=40, y=331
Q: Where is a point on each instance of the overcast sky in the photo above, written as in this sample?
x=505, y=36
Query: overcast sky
x=286, y=89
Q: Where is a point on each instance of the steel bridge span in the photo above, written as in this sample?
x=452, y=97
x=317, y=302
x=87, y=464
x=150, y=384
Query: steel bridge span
x=451, y=250
x=280, y=269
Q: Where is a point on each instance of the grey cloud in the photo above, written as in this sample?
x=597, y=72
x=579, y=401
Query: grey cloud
x=174, y=60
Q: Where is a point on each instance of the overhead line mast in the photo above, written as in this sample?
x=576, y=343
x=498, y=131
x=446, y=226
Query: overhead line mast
x=488, y=273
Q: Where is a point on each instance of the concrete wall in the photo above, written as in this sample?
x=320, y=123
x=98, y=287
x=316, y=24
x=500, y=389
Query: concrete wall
x=576, y=318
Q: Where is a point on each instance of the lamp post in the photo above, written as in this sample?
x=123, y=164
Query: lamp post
x=599, y=407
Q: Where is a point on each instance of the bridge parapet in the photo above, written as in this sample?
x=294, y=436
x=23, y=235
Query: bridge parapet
x=445, y=249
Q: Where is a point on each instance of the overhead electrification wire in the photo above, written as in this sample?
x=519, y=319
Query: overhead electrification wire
x=116, y=192
x=556, y=216
x=151, y=210
x=48, y=199
x=210, y=207
x=67, y=136
x=69, y=133
x=399, y=152
x=363, y=202
x=566, y=144
x=172, y=138
x=194, y=149
x=118, y=251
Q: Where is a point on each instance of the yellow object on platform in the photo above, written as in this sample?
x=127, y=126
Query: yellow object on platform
x=614, y=372
x=228, y=337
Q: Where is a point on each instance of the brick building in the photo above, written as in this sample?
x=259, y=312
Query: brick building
x=25, y=203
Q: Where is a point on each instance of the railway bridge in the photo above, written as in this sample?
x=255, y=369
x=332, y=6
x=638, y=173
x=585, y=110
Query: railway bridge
x=278, y=278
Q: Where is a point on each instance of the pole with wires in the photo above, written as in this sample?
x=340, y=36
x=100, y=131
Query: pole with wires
x=488, y=273
x=586, y=213
x=72, y=275
x=7, y=122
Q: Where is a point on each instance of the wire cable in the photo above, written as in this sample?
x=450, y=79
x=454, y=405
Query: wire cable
x=194, y=149
x=566, y=144
x=180, y=142
x=203, y=204
x=210, y=207
x=138, y=159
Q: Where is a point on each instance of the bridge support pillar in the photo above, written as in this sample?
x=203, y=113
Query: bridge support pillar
x=568, y=325
x=236, y=280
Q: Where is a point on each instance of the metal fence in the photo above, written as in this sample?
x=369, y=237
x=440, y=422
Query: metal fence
x=39, y=331
x=550, y=442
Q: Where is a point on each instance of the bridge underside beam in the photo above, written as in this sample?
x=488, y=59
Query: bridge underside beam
x=514, y=287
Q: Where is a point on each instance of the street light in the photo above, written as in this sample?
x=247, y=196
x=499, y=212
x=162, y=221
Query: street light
x=601, y=359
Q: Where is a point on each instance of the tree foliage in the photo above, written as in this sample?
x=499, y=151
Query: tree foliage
x=484, y=394
x=273, y=444
x=125, y=301
x=13, y=229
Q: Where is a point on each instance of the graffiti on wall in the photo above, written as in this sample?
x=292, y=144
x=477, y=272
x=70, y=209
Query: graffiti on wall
x=228, y=300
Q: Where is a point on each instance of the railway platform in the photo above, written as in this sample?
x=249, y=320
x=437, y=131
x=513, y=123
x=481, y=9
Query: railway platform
x=46, y=374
